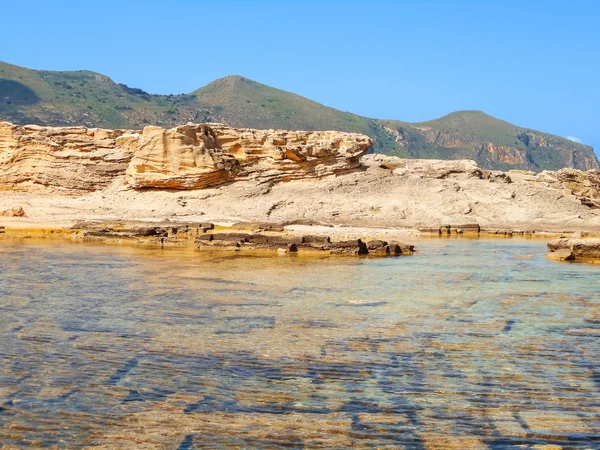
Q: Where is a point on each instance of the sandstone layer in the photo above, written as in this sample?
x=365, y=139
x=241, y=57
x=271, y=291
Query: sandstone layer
x=566, y=249
x=68, y=158
x=186, y=157
x=196, y=173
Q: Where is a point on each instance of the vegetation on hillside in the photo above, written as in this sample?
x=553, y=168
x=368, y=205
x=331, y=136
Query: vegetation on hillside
x=94, y=100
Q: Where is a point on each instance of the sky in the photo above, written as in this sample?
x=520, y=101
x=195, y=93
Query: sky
x=534, y=63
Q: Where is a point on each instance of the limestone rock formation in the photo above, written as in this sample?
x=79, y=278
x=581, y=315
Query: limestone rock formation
x=199, y=156
x=584, y=185
x=587, y=248
x=276, y=155
x=186, y=157
x=74, y=158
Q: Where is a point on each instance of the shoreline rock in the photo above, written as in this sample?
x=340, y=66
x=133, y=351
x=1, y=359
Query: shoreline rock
x=200, y=172
x=204, y=236
x=568, y=249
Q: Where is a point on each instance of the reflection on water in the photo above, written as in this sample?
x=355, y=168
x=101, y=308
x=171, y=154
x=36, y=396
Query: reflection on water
x=462, y=346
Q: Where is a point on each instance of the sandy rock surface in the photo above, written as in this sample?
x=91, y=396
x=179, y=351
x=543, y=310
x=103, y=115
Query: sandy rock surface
x=280, y=177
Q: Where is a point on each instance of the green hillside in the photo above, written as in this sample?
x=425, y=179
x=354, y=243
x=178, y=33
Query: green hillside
x=94, y=100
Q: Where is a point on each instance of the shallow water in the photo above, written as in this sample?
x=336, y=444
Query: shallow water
x=461, y=346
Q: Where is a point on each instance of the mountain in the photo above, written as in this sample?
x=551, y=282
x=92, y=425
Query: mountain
x=94, y=100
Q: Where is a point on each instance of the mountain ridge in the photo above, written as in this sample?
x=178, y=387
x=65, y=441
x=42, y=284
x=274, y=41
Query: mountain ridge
x=95, y=100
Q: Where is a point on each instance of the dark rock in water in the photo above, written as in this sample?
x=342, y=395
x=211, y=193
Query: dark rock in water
x=148, y=232
x=205, y=237
x=231, y=237
x=284, y=240
x=586, y=248
x=292, y=248
x=352, y=247
x=563, y=254
x=460, y=228
x=398, y=248
x=273, y=241
x=2, y=230
x=378, y=247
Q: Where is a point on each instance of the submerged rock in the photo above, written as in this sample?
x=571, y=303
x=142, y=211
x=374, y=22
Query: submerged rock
x=563, y=254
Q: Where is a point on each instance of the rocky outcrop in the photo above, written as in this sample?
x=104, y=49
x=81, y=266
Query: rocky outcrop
x=67, y=158
x=248, y=167
x=13, y=212
x=427, y=168
x=186, y=157
x=203, y=237
x=584, y=185
x=199, y=156
x=587, y=248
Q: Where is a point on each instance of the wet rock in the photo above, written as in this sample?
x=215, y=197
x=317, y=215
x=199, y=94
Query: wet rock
x=586, y=248
x=231, y=237
x=205, y=238
x=284, y=240
x=352, y=247
x=398, y=248
x=563, y=254
x=291, y=248
x=147, y=232
x=461, y=228
x=378, y=247
x=273, y=241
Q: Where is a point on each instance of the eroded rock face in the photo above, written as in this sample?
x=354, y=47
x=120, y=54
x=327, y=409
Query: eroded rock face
x=186, y=157
x=192, y=156
x=585, y=185
x=287, y=155
x=71, y=158
x=199, y=156
x=587, y=248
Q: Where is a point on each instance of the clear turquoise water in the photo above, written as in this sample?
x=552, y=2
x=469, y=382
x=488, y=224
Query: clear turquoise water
x=461, y=346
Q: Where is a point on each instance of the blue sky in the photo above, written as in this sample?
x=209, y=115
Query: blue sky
x=533, y=63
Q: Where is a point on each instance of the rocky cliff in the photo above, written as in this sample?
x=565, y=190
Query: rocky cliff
x=214, y=172
x=185, y=157
x=70, y=158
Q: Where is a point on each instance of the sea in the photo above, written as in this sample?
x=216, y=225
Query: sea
x=469, y=344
